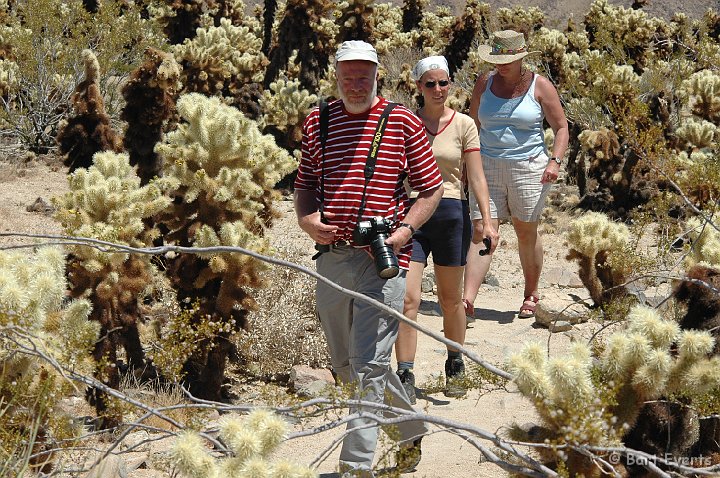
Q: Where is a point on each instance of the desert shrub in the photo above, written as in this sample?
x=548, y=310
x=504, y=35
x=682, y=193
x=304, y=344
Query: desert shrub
x=45, y=39
x=284, y=331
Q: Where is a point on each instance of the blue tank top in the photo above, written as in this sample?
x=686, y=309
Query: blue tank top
x=511, y=128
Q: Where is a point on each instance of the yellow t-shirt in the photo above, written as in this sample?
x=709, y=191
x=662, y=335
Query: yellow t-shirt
x=450, y=146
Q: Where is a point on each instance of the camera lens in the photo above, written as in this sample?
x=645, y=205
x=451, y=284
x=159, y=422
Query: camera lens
x=386, y=263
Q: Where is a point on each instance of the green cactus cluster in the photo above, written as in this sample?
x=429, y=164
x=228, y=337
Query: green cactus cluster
x=218, y=60
x=594, y=400
x=220, y=170
x=251, y=441
x=33, y=314
x=600, y=248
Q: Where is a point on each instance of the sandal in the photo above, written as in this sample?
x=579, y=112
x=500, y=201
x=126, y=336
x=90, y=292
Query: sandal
x=527, y=309
x=469, y=311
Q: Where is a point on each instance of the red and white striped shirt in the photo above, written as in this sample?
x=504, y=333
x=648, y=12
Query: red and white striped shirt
x=404, y=150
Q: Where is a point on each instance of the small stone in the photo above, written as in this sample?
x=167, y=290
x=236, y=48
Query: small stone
x=302, y=379
x=491, y=280
x=428, y=283
x=42, y=206
x=555, y=307
x=560, y=326
x=110, y=466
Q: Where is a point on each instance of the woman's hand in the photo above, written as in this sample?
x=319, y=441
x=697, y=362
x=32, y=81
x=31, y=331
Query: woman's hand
x=551, y=172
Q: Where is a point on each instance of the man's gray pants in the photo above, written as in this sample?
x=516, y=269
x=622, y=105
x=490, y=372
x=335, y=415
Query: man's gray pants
x=360, y=338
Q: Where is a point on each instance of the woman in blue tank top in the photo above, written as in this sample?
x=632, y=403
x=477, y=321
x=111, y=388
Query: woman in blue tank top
x=509, y=106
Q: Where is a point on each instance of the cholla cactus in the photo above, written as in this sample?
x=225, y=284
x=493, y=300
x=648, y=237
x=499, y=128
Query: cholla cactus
x=106, y=202
x=627, y=33
x=32, y=290
x=389, y=35
x=150, y=94
x=306, y=30
x=219, y=60
x=221, y=172
x=286, y=105
x=702, y=92
x=593, y=241
x=412, y=11
x=472, y=22
x=434, y=28
x=89, y=130
x=553, y=44
x=698, y=177
x=602, y=149
x=697, y=134
x=251, y=442
x=356, y=21
x=520, y=18
x=705, y=248
x=584, y=401
x=8, y=77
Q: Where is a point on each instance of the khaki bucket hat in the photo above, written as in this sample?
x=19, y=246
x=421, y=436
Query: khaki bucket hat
x=505, y=46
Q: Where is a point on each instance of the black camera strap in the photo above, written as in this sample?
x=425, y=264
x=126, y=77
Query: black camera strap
x=373, y=153
x=324, y=125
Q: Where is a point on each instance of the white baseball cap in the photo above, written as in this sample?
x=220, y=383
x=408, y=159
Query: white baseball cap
x=356, y=50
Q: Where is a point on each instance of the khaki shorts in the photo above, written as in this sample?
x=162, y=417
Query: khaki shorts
x=515, y=188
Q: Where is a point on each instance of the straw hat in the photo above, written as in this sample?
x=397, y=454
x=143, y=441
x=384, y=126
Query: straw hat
x=505, y=46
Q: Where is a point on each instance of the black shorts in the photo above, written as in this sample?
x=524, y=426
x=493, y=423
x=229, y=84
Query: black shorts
x=446, y=235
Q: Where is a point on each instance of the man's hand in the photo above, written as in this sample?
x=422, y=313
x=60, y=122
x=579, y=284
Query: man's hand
x=314, y=227
x=399, y=238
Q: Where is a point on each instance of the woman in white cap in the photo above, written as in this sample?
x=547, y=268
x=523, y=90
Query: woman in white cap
x=447, y=234
x=509, y=105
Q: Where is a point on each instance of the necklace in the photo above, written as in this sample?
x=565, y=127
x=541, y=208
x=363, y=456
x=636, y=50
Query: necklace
x=520, y=79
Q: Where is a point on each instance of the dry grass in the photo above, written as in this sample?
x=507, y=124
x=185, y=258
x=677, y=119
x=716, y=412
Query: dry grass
x=284, y=331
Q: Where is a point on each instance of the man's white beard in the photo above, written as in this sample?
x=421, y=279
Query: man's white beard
x=356, y=108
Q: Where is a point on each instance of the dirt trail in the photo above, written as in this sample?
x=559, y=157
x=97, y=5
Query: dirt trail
x=496, y=333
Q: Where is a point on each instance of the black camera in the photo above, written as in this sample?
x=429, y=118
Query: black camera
x=373, y=233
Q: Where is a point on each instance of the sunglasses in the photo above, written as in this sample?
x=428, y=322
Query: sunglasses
x=442, y=83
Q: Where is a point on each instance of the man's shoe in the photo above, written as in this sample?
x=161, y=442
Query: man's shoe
x=408, y=457
x=454, y=376
x=407, y=378
x=347, y=471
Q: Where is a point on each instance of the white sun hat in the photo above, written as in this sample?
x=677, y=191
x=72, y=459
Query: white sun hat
x=356, y=50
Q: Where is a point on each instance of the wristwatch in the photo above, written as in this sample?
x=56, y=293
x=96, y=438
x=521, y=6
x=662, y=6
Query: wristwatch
x=556, y=159
x=405, y=224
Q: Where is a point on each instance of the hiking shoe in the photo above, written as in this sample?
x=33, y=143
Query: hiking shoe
x=407, y=378
x=408, y=457
x=454, y=375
